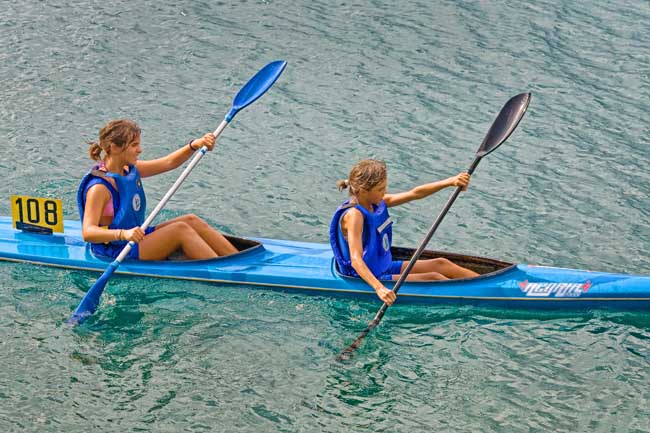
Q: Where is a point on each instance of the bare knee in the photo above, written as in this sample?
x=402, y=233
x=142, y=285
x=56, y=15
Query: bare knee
x=450, y=269
x=183, y=230
x=194, y=221
x=169, y=238
x=437, y=265
x=441, y=262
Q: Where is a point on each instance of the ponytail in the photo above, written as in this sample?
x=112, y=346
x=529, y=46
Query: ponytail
x=95, y=151
x=342, y=184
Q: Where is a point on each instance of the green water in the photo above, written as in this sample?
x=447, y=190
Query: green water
x=414, y=83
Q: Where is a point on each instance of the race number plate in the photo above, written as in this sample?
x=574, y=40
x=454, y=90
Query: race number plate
x=35, y=214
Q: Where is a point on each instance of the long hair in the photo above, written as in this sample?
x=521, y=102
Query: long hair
x=365, y=174
x=120, y=132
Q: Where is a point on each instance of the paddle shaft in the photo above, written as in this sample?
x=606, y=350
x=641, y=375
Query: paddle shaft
x=430, y=233
x=172, y=191
x=375, y=321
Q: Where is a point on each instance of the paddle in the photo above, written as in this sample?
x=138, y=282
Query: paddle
x=248, y=94
x=501, y=128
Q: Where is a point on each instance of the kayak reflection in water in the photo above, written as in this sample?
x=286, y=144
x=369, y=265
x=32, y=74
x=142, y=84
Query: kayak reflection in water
x=361, y=230
x=112, y=203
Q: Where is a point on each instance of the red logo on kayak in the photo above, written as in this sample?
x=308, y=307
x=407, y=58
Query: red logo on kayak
x=559, y=290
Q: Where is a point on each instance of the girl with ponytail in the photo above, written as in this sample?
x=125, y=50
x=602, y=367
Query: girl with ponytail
x=112, y=203
x=361, y=230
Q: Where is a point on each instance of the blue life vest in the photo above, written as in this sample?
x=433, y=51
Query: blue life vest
x=377, y=238
x=129, y=201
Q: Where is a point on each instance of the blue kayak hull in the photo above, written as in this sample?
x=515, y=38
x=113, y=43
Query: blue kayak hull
x=309, y=267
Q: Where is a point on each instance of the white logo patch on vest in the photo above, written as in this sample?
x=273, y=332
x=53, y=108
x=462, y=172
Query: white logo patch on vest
x=384, y=225
x=136, y=202
x=384, y=239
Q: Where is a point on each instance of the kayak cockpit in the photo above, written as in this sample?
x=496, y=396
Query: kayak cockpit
x=480, y=265
x=243, y=244
x=244, y=247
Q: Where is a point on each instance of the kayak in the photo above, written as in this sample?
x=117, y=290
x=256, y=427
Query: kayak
x=310, y=267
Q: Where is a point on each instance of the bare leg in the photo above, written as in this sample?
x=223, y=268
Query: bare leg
x=168, y=238
x=211, y=236
x=437, y=269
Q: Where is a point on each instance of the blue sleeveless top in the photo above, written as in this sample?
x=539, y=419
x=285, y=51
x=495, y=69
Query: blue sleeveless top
x=377, y=238
x=129, y=201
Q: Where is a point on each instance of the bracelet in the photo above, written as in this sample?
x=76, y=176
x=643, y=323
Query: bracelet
x=189, y=144
x=120, y=235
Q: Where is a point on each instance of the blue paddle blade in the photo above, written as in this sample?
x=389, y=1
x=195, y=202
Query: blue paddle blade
x=90, y=302
x=505, y=123
x=256, y=87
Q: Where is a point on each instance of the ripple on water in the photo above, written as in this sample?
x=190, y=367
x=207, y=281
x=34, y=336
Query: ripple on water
x=413, y=84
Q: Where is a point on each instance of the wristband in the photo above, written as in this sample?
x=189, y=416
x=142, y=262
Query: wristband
x=189, y=144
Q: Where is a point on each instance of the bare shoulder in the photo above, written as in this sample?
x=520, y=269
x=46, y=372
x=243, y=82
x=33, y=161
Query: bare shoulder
x=352, y=220
x=352, y=213
x=389, y=199
x=98, y=192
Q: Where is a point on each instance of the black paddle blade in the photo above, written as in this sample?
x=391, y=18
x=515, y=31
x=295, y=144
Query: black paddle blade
x=505, y=123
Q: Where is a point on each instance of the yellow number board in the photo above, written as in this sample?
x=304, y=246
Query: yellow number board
x=35, y=214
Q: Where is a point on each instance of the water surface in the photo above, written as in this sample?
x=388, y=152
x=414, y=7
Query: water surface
x=416, y=84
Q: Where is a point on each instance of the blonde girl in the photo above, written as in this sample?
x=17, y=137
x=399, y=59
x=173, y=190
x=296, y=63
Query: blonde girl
x=361, y=230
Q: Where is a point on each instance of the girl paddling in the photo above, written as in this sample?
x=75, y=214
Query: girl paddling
x=112, y=204
x=361, y=230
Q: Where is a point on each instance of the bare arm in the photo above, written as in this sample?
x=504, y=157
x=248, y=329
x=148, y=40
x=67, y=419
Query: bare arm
x=174, y=159
x=422, y=191
x=352, y=224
